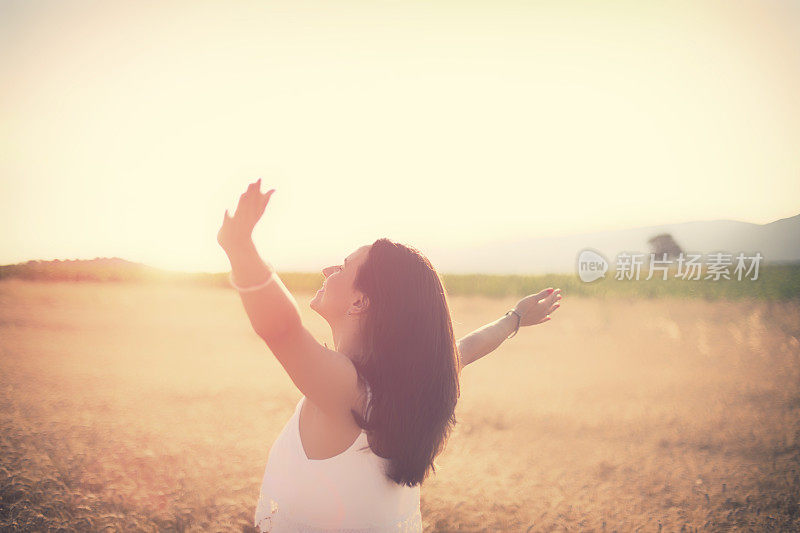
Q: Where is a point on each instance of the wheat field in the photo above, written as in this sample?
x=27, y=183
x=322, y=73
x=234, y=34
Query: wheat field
x=147, y=407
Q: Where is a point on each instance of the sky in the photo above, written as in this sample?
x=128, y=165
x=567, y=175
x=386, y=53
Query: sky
x=127, y=128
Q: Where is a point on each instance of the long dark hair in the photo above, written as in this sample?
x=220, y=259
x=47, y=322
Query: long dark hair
x=410, y=360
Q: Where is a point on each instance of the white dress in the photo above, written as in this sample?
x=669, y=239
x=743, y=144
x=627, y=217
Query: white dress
x=345, y=493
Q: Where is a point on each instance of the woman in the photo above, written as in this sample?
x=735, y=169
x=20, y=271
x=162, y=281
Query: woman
x=378, y=409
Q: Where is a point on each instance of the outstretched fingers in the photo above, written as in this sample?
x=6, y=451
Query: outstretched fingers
x=544, y=293
x=553, y=302
x=548, y=293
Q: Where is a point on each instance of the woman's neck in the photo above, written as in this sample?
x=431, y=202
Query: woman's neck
x=346, y=339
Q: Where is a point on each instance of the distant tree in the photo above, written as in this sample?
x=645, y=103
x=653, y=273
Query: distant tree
x=664, y=244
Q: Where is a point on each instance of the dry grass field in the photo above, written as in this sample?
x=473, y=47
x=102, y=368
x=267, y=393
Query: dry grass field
x=152, y=407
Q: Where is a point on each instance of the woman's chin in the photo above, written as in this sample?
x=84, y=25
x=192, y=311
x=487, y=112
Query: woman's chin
x=317, y=298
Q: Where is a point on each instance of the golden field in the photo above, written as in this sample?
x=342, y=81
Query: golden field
x=148, y=407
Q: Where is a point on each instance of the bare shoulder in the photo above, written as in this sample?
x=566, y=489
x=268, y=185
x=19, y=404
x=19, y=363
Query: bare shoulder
x=359, y=395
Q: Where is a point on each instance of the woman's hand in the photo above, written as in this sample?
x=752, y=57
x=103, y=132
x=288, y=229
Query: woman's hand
x=239, y=227
x=536, y=308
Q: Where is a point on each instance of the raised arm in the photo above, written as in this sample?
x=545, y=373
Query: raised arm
x=272, y=310
x=534, y=309
x=328, y=378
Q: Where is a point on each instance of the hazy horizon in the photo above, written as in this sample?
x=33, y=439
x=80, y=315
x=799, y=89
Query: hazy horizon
x=451, y=259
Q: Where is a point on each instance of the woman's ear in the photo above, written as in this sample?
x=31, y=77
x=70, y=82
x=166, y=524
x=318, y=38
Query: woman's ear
x=359, y=306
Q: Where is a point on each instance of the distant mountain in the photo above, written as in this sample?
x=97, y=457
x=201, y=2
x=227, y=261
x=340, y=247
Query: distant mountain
x=778, y=242
x=117, y=269
x=97, y=269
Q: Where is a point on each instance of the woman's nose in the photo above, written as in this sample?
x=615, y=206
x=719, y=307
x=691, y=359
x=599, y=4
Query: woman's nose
x=327, y=271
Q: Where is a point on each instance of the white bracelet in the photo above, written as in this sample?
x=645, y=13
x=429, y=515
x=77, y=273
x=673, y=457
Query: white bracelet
x=254, y=287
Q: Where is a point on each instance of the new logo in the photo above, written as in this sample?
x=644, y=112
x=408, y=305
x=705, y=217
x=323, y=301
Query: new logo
x=591, y=265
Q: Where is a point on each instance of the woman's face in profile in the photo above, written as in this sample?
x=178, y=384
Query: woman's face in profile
x=336, y=296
